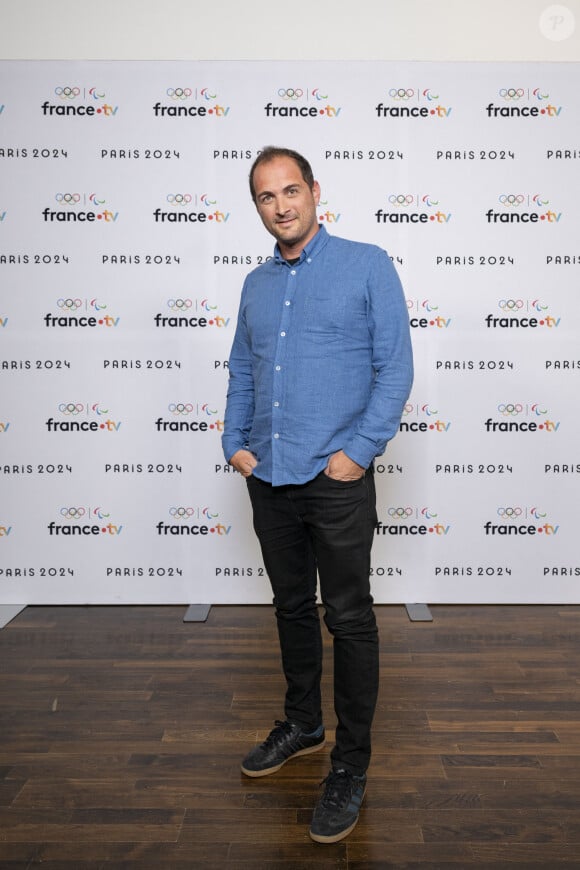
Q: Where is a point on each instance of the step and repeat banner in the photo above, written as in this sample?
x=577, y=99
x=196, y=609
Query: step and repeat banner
x=126, y=229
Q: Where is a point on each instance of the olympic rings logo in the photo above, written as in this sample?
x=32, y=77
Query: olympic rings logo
x=68, y=198
x=290, y=93
x=180, y=304
x=512, y=199
x=181, y=513
x=401, y=512
x=72, y=513
x=180, y=408
x=408, y=409
x=179, y=93
x=401, y=93
x=179, y=198
x=511, y=93
x=71, y=408
x=509, y=513
x=510, y=410
x=410, y=303
x=510, y=304
x=400, y=199
x=70, y=304
x=67, y=93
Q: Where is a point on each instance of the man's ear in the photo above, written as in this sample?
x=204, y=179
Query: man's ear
x=316, y=192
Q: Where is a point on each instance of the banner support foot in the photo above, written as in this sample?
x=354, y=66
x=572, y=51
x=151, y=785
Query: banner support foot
x=9, y=611
x=197, y=613
x=419, y=613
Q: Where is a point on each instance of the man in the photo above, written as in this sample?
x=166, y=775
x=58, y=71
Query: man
x=320, y=369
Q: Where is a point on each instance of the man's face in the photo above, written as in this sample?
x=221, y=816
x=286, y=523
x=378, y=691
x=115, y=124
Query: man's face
x=286, y=204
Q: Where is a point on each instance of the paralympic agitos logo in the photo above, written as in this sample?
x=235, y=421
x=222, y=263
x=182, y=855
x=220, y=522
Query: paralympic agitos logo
x=298, y=102
x=79, y=208
x=74, y=101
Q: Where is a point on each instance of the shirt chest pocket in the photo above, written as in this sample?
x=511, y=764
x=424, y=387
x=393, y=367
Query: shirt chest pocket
x=326, y=316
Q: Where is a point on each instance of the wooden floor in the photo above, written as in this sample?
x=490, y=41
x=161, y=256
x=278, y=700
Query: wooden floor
x=122, y=728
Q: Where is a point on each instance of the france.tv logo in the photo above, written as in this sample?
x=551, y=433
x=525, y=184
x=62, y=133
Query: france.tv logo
x=79, y=208
x=412, y=208
x=83, y=417
x=190, y=102
x=186, y=312
x=298, y=102
x=523, y=208
x=406, y=520
x=190, y=208
x=522, y=102
x=516, y=520
x=190, y=417
x=522, y=314
x=82, y=521
x=522, y=417
x=413, y=103
x=75, y=101
x=185, y=520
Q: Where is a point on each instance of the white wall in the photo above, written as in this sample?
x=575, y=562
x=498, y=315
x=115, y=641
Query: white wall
x=486, y=30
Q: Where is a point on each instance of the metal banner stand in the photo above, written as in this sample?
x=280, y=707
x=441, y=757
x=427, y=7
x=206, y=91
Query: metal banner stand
x=8, y=612
x=419, y=613
x=197, y=613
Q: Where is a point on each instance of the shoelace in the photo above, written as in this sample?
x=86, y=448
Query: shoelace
x=338, y=791
x=277, y=734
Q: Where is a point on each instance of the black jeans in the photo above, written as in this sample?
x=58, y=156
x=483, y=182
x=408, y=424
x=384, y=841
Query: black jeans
x=327, y=526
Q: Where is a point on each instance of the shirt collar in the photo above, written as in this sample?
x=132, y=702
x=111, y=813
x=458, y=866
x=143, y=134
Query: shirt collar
x=316, y=243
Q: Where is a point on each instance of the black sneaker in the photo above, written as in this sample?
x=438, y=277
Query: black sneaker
x=336, y=812
x=284, y=741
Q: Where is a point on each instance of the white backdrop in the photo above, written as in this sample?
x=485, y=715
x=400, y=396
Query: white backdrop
x=126, y=229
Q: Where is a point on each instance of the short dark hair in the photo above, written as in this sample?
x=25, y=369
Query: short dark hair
x=270, y=152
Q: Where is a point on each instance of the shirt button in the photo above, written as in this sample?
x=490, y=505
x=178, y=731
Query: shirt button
x=287, y=303
x=276, y=404
x=283, y=334
x=278, y=368
x=293, y=272
x=309, y=260
x=276, y=435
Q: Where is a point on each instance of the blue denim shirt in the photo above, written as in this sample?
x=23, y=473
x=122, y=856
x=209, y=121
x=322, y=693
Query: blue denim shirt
x=321, y=360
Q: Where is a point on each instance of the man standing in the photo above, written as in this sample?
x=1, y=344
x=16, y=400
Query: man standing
x=320, y=369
